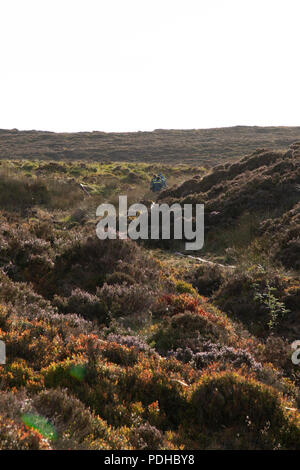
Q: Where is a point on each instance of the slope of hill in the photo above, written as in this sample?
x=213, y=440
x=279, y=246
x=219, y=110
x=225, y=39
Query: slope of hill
x=265, y=183
x=201, y=147
x=112, y=345
x=252, y=221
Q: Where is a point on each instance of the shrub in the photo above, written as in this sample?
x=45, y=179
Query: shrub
x=120, y=278
x=123, y=300
x=130, y=341
x=147, y=437
x=85, y=304
x=79, y=216
x=72, y=421
x=120, y=354
x=276, y=309
x=211, y=352
x=183, y=287
x=207, y=279
x=18, y=374
x=86, y=264
x=19, y=193
x=16, y=436
x=237, y=297
x=229, y=400
x=68, y=373
x=189, y=329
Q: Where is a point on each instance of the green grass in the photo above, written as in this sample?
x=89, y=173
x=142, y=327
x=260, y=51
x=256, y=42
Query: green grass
x=104, y=181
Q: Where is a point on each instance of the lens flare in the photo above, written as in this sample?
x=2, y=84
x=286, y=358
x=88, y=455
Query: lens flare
x=40, y=424
x=78, y=372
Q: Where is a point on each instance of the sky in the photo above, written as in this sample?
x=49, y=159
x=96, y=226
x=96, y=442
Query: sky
x=130, y=65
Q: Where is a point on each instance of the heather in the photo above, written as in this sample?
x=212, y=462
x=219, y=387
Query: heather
x=117, y=344
x=207, y=146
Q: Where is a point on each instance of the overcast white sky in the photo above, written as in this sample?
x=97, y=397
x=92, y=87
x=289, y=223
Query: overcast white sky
x=122, y=65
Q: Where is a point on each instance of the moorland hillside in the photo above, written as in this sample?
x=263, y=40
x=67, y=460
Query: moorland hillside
x=198, y=146
x=112, y=344
x=251, y=219
x=265, y=183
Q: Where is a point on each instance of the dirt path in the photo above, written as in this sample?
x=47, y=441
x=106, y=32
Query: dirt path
x=202, y=260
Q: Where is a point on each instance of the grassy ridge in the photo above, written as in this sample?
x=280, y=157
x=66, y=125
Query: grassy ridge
x=56, y=184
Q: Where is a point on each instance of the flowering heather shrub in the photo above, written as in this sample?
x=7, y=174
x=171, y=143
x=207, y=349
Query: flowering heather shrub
x=284, y=234
x=19, y=193
x=122, y=385
x=16, y=436
x=19, y=242
x=13, y=404
x=106, y=386
x=44, y=339
x=255, y=184
x=120, y=278
x=43, y=229
x=83, y=303
x=22, y=248
x=86, y=264
x=76, y=314
x=212, y=352
x=22, y=298
x=147, y=437
x=232, y=400
x=189, y=329
x=171, y=304
x=73, y=422
x=119, y=354
x=22, y=302
x=130, y=341
x=18, y=374
x=207, y=279
x=123, y=300
x=30, y=262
